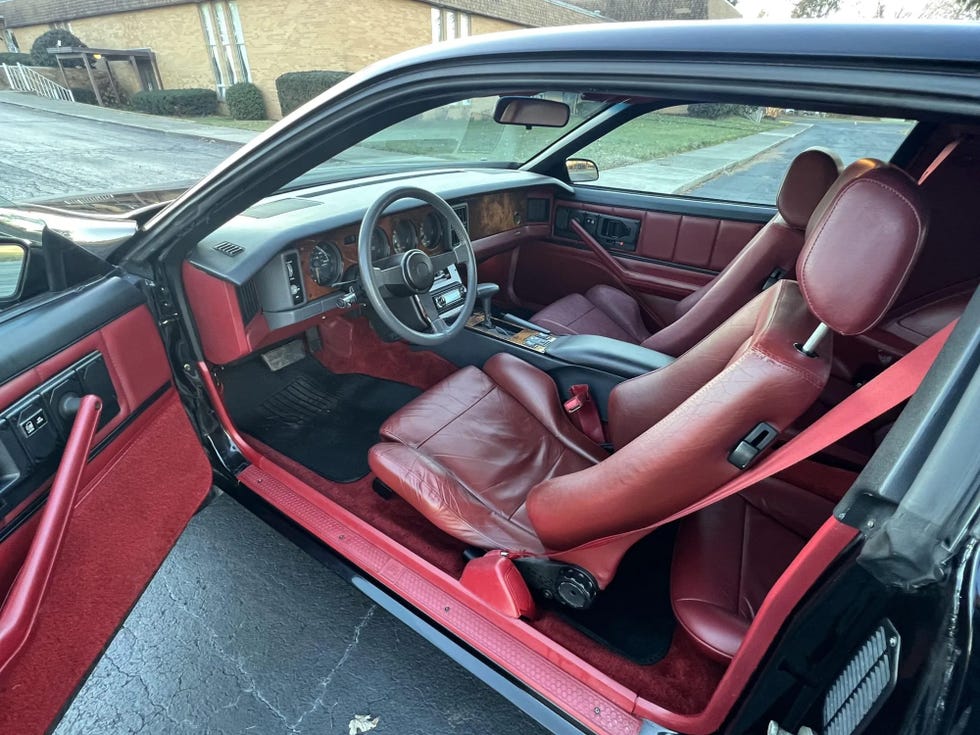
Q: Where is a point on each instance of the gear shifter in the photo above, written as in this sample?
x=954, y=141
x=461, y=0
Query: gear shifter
x=485, y=293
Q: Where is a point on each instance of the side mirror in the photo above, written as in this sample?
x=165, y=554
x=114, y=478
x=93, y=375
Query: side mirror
x=13, y=268
x=581, y=170
x=531, y=112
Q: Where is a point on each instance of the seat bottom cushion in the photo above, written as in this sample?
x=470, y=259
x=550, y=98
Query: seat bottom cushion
x=468, y=451
x=729, y=556
x=602, y=310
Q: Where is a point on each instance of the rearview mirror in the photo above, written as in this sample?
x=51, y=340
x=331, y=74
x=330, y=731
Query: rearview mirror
x=531, y=112
x=13, y=266
x=581, y=170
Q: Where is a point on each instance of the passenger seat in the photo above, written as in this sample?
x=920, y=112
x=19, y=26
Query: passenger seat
x=609, y=312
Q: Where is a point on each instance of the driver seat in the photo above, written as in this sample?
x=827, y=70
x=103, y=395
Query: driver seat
x=490, y=457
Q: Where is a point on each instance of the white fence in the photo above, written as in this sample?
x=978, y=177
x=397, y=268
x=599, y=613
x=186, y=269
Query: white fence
x=24, y=79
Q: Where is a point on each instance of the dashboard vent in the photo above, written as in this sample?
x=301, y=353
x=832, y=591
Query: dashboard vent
x=864, y=684
x=248, y=301
x=463, y=212
x=228, y=248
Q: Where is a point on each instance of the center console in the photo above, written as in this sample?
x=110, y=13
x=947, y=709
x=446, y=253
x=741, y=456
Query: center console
x=600, y=362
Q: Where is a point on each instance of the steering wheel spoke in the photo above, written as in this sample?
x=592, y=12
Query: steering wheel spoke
x=454, y=256
x=386, y=276
x=437, y=324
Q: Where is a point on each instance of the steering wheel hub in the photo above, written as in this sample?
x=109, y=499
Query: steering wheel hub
x=418, y=271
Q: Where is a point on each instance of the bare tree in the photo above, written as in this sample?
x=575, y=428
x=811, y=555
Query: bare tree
x=815, y=8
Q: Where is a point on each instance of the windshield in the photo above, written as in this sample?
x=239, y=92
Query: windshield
x=462, y=132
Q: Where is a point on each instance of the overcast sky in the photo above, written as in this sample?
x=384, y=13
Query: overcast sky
x=850, y=9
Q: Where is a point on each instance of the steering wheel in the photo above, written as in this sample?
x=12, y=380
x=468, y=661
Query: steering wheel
x=404, y=280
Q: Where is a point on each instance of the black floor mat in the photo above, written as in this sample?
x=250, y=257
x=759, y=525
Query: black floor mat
x=632, y=616
x=323, y=420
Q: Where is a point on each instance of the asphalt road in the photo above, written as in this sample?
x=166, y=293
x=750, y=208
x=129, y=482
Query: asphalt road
x=758, y=181
x=43, y=154
x=241, y=632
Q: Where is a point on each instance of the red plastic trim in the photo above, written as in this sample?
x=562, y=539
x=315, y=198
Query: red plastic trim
x=22, y=603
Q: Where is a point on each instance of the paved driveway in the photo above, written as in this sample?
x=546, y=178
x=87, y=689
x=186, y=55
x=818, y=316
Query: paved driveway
x=42, y=155
x=758, y=181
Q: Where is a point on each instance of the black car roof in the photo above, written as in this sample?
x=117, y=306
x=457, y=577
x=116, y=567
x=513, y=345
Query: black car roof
x=946, y=42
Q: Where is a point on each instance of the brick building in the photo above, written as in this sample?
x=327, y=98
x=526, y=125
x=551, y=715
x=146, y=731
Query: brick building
x=215, y=43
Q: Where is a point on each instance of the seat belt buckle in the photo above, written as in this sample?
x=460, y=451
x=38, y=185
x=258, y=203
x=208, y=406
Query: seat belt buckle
x=573, y=404
x=773, y=278
x=588, y=420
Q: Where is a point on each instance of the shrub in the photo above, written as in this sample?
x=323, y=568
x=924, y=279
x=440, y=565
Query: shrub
x=296, y=88
x=177, y=102
x=245, y=101
x=84, y=95
x=50, y=39
x=12, y=58
x=715, y=110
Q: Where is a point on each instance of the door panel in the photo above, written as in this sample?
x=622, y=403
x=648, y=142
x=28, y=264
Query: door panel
x=673, y=253
x=143, y=478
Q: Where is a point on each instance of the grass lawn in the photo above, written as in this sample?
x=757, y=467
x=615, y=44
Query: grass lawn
x=648, y=137
x=230, y=122
x=656, y=135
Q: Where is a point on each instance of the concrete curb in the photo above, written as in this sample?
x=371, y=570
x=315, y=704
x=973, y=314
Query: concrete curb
x=220, y=134
x=732, y=165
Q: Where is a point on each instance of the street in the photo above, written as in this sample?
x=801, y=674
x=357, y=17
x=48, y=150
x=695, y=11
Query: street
x=44, y=155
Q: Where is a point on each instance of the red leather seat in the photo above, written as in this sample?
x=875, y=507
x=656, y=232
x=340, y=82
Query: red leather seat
x=609, y=312
x=490, y=457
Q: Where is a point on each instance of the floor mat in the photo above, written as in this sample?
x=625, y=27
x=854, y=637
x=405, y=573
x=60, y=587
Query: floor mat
x=633, y=616
x=324, y=421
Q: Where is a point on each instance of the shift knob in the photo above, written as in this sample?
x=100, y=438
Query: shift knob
x=485, y=293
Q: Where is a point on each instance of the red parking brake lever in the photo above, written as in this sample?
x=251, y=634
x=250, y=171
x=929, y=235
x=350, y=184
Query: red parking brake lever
x=20, y=609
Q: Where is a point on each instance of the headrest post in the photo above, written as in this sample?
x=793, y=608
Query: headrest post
x=809, y=347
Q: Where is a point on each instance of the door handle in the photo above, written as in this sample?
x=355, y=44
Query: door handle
x=19, y=611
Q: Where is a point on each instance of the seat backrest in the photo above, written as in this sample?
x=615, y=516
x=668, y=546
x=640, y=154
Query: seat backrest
x=777, y=245
x=675, y=428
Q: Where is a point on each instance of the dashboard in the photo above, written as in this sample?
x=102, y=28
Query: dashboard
x=291, y=258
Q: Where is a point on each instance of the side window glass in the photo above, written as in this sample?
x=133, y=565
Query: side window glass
x=728, y=152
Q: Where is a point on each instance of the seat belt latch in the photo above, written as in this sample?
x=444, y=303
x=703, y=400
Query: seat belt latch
x=752, y=444
x=583, y=412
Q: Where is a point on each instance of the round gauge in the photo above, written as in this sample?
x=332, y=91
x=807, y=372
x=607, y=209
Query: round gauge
x=406, y=238
x=432, y=231
x=380, y=247
x=326, y=263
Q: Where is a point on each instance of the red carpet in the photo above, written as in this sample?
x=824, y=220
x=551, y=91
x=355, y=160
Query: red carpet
x=124, y=524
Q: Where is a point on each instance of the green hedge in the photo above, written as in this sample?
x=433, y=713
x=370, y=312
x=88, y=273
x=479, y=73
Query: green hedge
x=715, y=110
x=177, y=102
x=50, y=39
x=296, y=88
x=85, y=95
x=12, y=58
x=245, y=101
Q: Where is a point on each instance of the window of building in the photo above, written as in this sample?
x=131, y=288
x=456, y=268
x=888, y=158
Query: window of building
x=225, y=40
x=449, y=24
x=730, y=152
x=63, y=24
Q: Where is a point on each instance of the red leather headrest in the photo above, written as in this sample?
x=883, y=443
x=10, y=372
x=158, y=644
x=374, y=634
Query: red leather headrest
x=861, y=244
x=808, y=178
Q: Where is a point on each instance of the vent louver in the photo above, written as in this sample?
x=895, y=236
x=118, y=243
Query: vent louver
x=228, y=248
x=248, y=301
x=865, y=683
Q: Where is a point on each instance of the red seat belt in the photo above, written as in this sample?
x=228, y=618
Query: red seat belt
x=583, y=412
x=888, y=389
x=870, y=401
